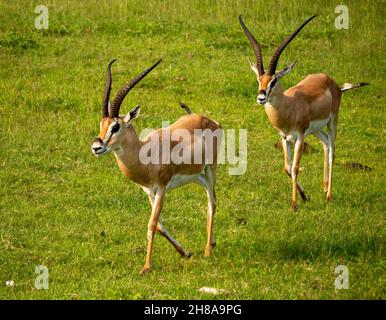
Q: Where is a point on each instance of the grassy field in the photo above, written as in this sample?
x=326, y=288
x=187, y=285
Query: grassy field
x=79, y=216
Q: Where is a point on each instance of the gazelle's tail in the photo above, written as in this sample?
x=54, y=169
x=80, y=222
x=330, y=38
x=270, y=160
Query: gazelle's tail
x=185, y=107
x=349, y=86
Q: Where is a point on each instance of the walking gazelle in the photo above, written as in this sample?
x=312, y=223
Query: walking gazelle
x=306, y=108
x=118, y=135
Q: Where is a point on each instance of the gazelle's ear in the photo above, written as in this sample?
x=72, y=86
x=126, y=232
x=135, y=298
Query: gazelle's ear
x=253, y=67
x=286, y=70
x=133, y=113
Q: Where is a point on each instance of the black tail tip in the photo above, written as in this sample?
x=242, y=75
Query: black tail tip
x=185, y=107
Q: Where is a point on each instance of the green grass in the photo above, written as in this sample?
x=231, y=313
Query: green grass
x=57, y=198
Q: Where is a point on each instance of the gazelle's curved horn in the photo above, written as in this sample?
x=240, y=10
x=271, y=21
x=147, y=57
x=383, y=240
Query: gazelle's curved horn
x=125, y=90
x=106, y=96
x=255, y=46
x=276, y=55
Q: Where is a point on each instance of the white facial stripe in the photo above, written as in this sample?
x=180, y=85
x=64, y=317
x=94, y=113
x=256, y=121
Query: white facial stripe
x=273, y=80
x=109, y=133
x=269, y=87
x=259, y=88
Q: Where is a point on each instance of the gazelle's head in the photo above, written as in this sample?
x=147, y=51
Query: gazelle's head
x=269, y=80
x=112, y=125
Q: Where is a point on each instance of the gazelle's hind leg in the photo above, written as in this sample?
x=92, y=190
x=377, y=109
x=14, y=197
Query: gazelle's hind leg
x=162, y=231
x=208, y=181
x=323, y=137
x=332, y=128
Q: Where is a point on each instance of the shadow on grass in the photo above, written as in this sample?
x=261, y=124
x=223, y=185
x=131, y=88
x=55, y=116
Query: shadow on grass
x=306, y=249
x=314, y=250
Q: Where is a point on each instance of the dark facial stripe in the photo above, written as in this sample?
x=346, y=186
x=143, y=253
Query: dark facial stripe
x=111, y=131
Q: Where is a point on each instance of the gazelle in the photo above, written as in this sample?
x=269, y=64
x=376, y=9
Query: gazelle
x=306, y=108
x=118, y=135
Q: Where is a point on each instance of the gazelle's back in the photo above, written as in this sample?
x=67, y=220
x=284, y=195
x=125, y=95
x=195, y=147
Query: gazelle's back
x=194, y=121
x=317, y=90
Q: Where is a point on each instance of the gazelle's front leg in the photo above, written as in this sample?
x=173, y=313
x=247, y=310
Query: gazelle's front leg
x=180, y=249
x=299, y=144
x=152, y=226
x=288, y=166
x=161, y=229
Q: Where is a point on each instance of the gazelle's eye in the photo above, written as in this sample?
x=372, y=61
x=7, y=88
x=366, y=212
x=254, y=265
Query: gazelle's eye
x=273, y=82
x=115, y=128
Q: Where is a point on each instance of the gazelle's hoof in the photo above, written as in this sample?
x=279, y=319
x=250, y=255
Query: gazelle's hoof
x=144, y=271
x=329, y=197
x=207, y=252
x=293, y=206
x=304, y=196
x=183, y=253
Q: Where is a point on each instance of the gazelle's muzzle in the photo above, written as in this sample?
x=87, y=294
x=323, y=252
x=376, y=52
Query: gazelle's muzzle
x=98, y=147
x=262, y=97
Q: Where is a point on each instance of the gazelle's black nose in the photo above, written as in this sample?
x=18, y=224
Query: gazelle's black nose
x=97, y=146
x=96, y=149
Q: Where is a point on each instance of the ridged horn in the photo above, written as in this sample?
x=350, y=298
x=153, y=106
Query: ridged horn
x=106, y=96
x=125, y=90
x=276, y=55
x=255, y=46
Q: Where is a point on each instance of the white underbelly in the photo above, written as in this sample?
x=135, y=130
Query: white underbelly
x=316, y=126
x=180, y=180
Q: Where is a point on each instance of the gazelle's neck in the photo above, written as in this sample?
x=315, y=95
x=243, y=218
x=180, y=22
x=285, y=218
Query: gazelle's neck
x=279, y=108
x=128, y=158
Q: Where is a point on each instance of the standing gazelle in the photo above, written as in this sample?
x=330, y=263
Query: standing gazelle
x=307, y=108
x=118, y=135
